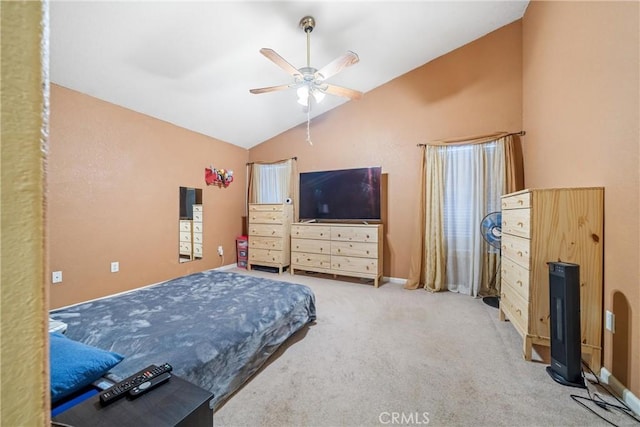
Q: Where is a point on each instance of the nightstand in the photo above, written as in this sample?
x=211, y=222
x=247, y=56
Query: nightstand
x=175, y=403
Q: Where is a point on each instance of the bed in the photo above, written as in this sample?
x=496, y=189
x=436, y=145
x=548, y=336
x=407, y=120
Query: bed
x=215, y=328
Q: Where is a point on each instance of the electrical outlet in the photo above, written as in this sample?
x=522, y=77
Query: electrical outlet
x=115, y=267
x=56, y=277
x=220, y=251
x=610, y=321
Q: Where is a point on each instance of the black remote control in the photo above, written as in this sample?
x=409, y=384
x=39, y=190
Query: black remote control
x=121, y=388
x=148, y=385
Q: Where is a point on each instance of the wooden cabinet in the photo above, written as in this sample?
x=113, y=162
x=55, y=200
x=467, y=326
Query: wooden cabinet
x=539, y=226
x=196, y=228
x=191, y=236
x=339, y=249
x=269, y=235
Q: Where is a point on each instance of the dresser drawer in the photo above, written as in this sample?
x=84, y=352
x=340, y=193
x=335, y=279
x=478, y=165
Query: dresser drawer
x=185, y=248
x=358, y=249
x=517, y=249
x=185, y=236
x=515, y=307
x=197, y=238
x=266, y=217
x=311, y=246
x=355, y=264
x=266, y=243
x=355, y=234
x=185, y=225
x=265, y=230
x=197, y=227
x=516, y=201
x=303, y=259
x=197, y=250
x=197, y=209
x=516, y=276
x=256, y=256
x=266, y=208
x=517, y=222
x=197, y=216
x=311, y=232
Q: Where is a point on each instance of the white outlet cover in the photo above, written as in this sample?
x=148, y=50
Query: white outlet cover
x=115, y=267
x=56, y=277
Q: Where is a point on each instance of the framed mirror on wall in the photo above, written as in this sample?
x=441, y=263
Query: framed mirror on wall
x=190, y=224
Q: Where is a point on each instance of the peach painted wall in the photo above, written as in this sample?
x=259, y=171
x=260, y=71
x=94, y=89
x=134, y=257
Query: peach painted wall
x=581, y=113
x=476, y=89
x=113, y=181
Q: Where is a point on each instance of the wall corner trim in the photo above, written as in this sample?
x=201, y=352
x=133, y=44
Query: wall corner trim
x=627, y=396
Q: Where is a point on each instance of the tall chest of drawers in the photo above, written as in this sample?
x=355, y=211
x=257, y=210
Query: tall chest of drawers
x=269, y=235
x=340, y=249
x=191, y=235
x=544, y=225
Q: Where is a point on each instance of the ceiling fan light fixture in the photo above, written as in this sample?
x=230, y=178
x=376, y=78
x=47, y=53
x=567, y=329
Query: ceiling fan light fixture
x=303, y=95
x=318, y=95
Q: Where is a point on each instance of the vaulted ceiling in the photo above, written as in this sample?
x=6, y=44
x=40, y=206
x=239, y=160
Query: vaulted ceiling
x=192, y=63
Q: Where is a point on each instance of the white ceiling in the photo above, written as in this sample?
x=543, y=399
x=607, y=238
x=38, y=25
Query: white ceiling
x=192, y=63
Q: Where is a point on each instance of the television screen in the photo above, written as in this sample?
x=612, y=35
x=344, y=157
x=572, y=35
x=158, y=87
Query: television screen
x=347, y=194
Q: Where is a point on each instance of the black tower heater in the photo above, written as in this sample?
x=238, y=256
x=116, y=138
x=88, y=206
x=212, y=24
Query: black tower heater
x=564, y=299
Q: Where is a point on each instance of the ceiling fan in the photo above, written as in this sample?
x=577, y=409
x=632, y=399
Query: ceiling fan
x=309, y=81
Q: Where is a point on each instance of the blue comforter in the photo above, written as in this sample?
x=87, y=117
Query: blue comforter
x=215, y=328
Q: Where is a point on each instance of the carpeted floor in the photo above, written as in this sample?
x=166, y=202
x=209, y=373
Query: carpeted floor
x=390, y=356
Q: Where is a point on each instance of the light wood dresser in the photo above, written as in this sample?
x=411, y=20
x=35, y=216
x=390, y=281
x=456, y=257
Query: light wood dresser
x=196, y=228
x=191, y=235
x=539, y=226
x=340, y=249
x=269, y=235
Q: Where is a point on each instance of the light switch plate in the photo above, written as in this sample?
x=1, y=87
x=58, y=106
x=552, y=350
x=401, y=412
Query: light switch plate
x=115, y=267
x=610, y=321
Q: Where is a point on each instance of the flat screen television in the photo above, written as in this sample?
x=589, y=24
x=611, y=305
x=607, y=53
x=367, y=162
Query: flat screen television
x=341, y=195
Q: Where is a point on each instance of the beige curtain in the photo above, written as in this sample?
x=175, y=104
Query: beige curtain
x=427, y=267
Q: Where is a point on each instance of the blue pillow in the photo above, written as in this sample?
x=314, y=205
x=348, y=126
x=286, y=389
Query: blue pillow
x=75, y=365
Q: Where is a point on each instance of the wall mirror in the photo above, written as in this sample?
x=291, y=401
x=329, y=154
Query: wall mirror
x=190, y=223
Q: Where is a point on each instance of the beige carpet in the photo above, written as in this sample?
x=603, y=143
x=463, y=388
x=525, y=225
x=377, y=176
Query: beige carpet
x=390, y=356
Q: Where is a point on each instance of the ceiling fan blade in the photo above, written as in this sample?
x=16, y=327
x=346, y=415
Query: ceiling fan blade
x=279, y=61
x=270, y=88
x=337, y=65
x=342, y=91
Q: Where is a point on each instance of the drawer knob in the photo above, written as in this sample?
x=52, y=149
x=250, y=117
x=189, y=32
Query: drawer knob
x=519, y=253
x=519, y=282
x=520, y=224
x=339, y=235
x=367, y=236
x=520, y=202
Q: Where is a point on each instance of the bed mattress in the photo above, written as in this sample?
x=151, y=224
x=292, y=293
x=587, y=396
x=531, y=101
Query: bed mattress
x=215, y=328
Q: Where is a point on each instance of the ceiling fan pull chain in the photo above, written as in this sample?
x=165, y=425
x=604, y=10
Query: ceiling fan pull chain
x=308, y=122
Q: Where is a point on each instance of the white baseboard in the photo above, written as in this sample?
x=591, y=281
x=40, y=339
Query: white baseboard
x=397, y=280
x=226, y=267
x=628, y=398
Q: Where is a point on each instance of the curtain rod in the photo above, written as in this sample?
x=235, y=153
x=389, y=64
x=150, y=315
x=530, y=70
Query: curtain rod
x=270, y=163
x=521, y=133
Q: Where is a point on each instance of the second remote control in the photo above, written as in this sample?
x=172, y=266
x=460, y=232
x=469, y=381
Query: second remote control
x=120, y=389
x=148, y=385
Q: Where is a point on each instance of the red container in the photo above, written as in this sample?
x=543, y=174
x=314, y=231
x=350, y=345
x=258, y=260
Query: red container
x=242, y=250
